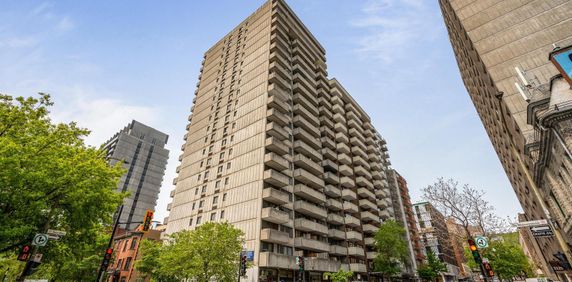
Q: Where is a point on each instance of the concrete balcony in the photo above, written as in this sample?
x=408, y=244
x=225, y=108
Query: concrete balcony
x=308, y=178
x=172, y=193
x=277, y=117
x=308, y=111
x=335, y=219
x=334, y=205
x=310, y=209
x=311, y=132
x=277, y=146
x=376, y=175
x=337, y=234
x=339, y=118
x=374, y=158
x=276, y=103
x=354, y=124
x=362, y=181
x=331, y=178
x=169, y=205
x=346, y=170
x=338, y=109
x=376, y=166
x=369, y=141
x=358, y=267
x=381, y=193
x=325, y=112
x=275, y=215
x=336, y=100
x=350, y=207
x=328, y=142
x=309, y=194
x=367, y=204
x=340, y=127
x=369, y=241
x=344, y=159
x=306, y=225
x=277, y=79
x=348, y=195
x=382, y=204
x=329, y=165
x=301, y=134
x=276, y=178
x=338, y=250
x=359, y=152
x=356, y=252
x=368, y=133
x=275, y=196
x=356, y=133
x=357, y=142
x=369, y=228
x=371, y=255
x=353, y=236
x=276, y=161
x=321, y=264
x=342, y=138
x=332, y=191
x=365, y=193
x=368, y=216
x=360, y=161
x=302, y=147
x=343, y=148
x=275, y=236
x=311, y=244
x=328, y=153
x=273, y=260
x=384, y=214
x=370, y=149
x=326, y=131
x=277, y=131
x=308, y=164
x=347, y=182
x=378, y=184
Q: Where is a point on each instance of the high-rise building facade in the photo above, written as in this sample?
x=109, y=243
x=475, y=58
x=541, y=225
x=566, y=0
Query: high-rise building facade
x=490, y=40
x=435, y=237
x=142, y=151
x=282, y=152
x=403, y=214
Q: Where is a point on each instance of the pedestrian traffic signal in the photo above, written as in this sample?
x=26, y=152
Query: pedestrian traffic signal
x=488, y=269
x=148, y=219
x=243, y=263
x=107, y=258
x=475, y=251
x=24, y=253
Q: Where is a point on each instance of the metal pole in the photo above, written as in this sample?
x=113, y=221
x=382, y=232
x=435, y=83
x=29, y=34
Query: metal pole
x=109, y=244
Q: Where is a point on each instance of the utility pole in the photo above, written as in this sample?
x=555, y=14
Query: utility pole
x=109, y=244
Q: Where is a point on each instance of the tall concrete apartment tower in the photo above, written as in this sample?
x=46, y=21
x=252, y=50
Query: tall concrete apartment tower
x=281, y=152
x=491, y=38
x=142, y=151
x=406, y=217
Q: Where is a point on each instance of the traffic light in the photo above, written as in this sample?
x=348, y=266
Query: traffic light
x=148, y=219
x=107, y=258
x=31, y=267
x=24, y=253
x=243, y=263
x=300, y=263
x=488, y=269
x=475, y=251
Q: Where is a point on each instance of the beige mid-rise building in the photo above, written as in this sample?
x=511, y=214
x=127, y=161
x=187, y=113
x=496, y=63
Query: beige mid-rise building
x=491, y=39
x=282, y=152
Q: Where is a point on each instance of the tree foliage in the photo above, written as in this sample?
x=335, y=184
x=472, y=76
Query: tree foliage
x=466, y=205
x=391, y=248
x=51, y=179
x=432, y=269
x=339, y=276
x=209, y=252
x=505, y=256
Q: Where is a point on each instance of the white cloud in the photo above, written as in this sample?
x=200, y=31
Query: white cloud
x=394, y=27
x=103, y=116
x=65, y=24
x=18, y=42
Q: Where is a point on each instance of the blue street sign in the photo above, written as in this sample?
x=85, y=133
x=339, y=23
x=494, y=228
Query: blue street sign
x=249, y=255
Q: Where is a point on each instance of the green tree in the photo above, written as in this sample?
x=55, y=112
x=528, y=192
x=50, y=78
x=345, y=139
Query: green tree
x=339, y=276
x=505, y=256
x=209, y=252
x=148, y=264
x=431, y=270
x=51, y=179
x=391, y=248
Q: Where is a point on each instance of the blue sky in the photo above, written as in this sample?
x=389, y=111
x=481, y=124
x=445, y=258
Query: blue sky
x=107, y=62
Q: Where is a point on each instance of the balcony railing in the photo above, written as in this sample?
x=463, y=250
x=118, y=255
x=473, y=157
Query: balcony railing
x=309, y=194
x=275, y=196
x=303, y=224
x=274, y=215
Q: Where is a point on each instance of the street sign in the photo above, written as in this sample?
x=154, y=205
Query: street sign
x=53, y=237
x=533, y=223
x=542, y=231
x=37, y=258
x=58, y=233
x=249, y=255
x=481, y=242
x=40, y=240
